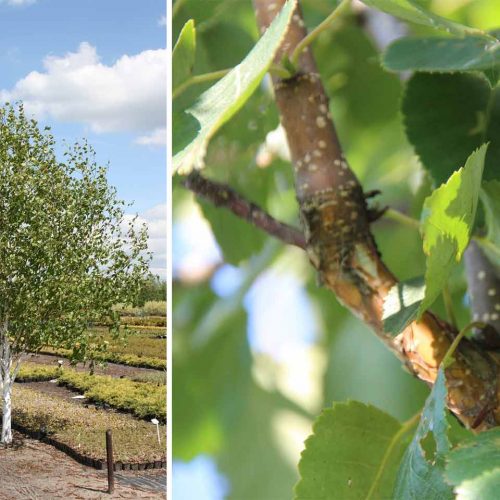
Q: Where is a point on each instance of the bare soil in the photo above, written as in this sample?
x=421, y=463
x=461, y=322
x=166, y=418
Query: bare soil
x=53, y=389
x=34, y=470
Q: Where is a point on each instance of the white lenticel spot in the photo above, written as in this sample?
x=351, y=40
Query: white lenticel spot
x=322, y=144
x=481, y=275
x=494, y=317
x=320, y=122
x=492, y=292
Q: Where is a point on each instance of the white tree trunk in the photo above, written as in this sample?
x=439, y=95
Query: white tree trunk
x=7, y=377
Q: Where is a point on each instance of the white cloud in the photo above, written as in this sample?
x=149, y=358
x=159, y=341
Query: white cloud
x=129, y=95
x=17, y=3
x=156, y=138
x=162, y=21
x=156, y=220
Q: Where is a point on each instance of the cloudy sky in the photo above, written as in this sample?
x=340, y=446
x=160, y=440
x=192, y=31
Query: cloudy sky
x=96, y=69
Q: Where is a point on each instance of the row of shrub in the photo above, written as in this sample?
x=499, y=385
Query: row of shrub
x=119, y=358
x=143, y=399
x=83, y=428
x=150, y=308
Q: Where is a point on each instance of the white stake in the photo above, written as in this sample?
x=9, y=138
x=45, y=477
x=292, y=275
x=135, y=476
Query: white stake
x=155, y=421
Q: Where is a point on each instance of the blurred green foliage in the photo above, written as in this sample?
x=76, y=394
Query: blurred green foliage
x=223, y=405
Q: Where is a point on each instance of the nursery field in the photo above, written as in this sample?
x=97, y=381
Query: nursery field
x=142, y=345
x=72, y=409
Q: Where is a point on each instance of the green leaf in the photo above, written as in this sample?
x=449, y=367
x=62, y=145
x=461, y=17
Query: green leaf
x=447, y=219
x=421, y=475
x=490, y=196
x=474, y=467
x=414, y=12
x=442, y=54
x=350, y=57
x=228, y=229
x=183, y=55
x=353, y=453
x=444, y=127
x=218, y=104
x=185, y=130
x=484, y=487
x=401, y=304
x=476, y=455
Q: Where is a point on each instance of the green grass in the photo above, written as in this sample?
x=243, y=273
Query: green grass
x=84, y=428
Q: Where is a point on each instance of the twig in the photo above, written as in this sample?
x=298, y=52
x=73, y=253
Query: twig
x=224, y=196
x=340, y=244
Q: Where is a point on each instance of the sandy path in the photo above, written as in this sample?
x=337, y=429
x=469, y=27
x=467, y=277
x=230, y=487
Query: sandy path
x=33, y=470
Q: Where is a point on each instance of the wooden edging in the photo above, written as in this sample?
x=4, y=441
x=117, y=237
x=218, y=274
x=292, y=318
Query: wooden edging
x=85, y=460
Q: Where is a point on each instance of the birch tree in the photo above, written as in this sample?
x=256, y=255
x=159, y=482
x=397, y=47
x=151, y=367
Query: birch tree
x=67, y=251
x=300, y=156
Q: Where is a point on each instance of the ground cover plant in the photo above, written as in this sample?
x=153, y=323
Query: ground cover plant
x=138, y=345
x=83, y=429
x=344, y=117
x=143, y=397
x=110, y=357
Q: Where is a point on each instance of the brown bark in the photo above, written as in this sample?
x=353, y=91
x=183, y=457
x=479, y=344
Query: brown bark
x=341, y=247
x=222, y=195
x=483, y=280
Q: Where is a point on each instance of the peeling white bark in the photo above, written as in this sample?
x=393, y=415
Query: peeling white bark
x=6, y=382
x=7, y=376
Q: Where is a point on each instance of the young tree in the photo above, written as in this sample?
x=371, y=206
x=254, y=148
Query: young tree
x=67, y=253
x=355, y=450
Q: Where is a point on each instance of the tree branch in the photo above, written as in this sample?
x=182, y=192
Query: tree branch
x=341, y=247
x=483, y=283
x=222, y=195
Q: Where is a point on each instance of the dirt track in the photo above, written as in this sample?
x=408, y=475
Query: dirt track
x=33, y=470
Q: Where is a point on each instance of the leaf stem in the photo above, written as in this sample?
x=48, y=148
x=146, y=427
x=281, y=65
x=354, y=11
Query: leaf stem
x=279, y=71
x=405, y=427
x=398, y=216
x=194, y=80
x=448, y=304
x=448, y=357
x=310, y=37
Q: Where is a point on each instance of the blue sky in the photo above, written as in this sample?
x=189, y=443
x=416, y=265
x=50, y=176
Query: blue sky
x=97, y=69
